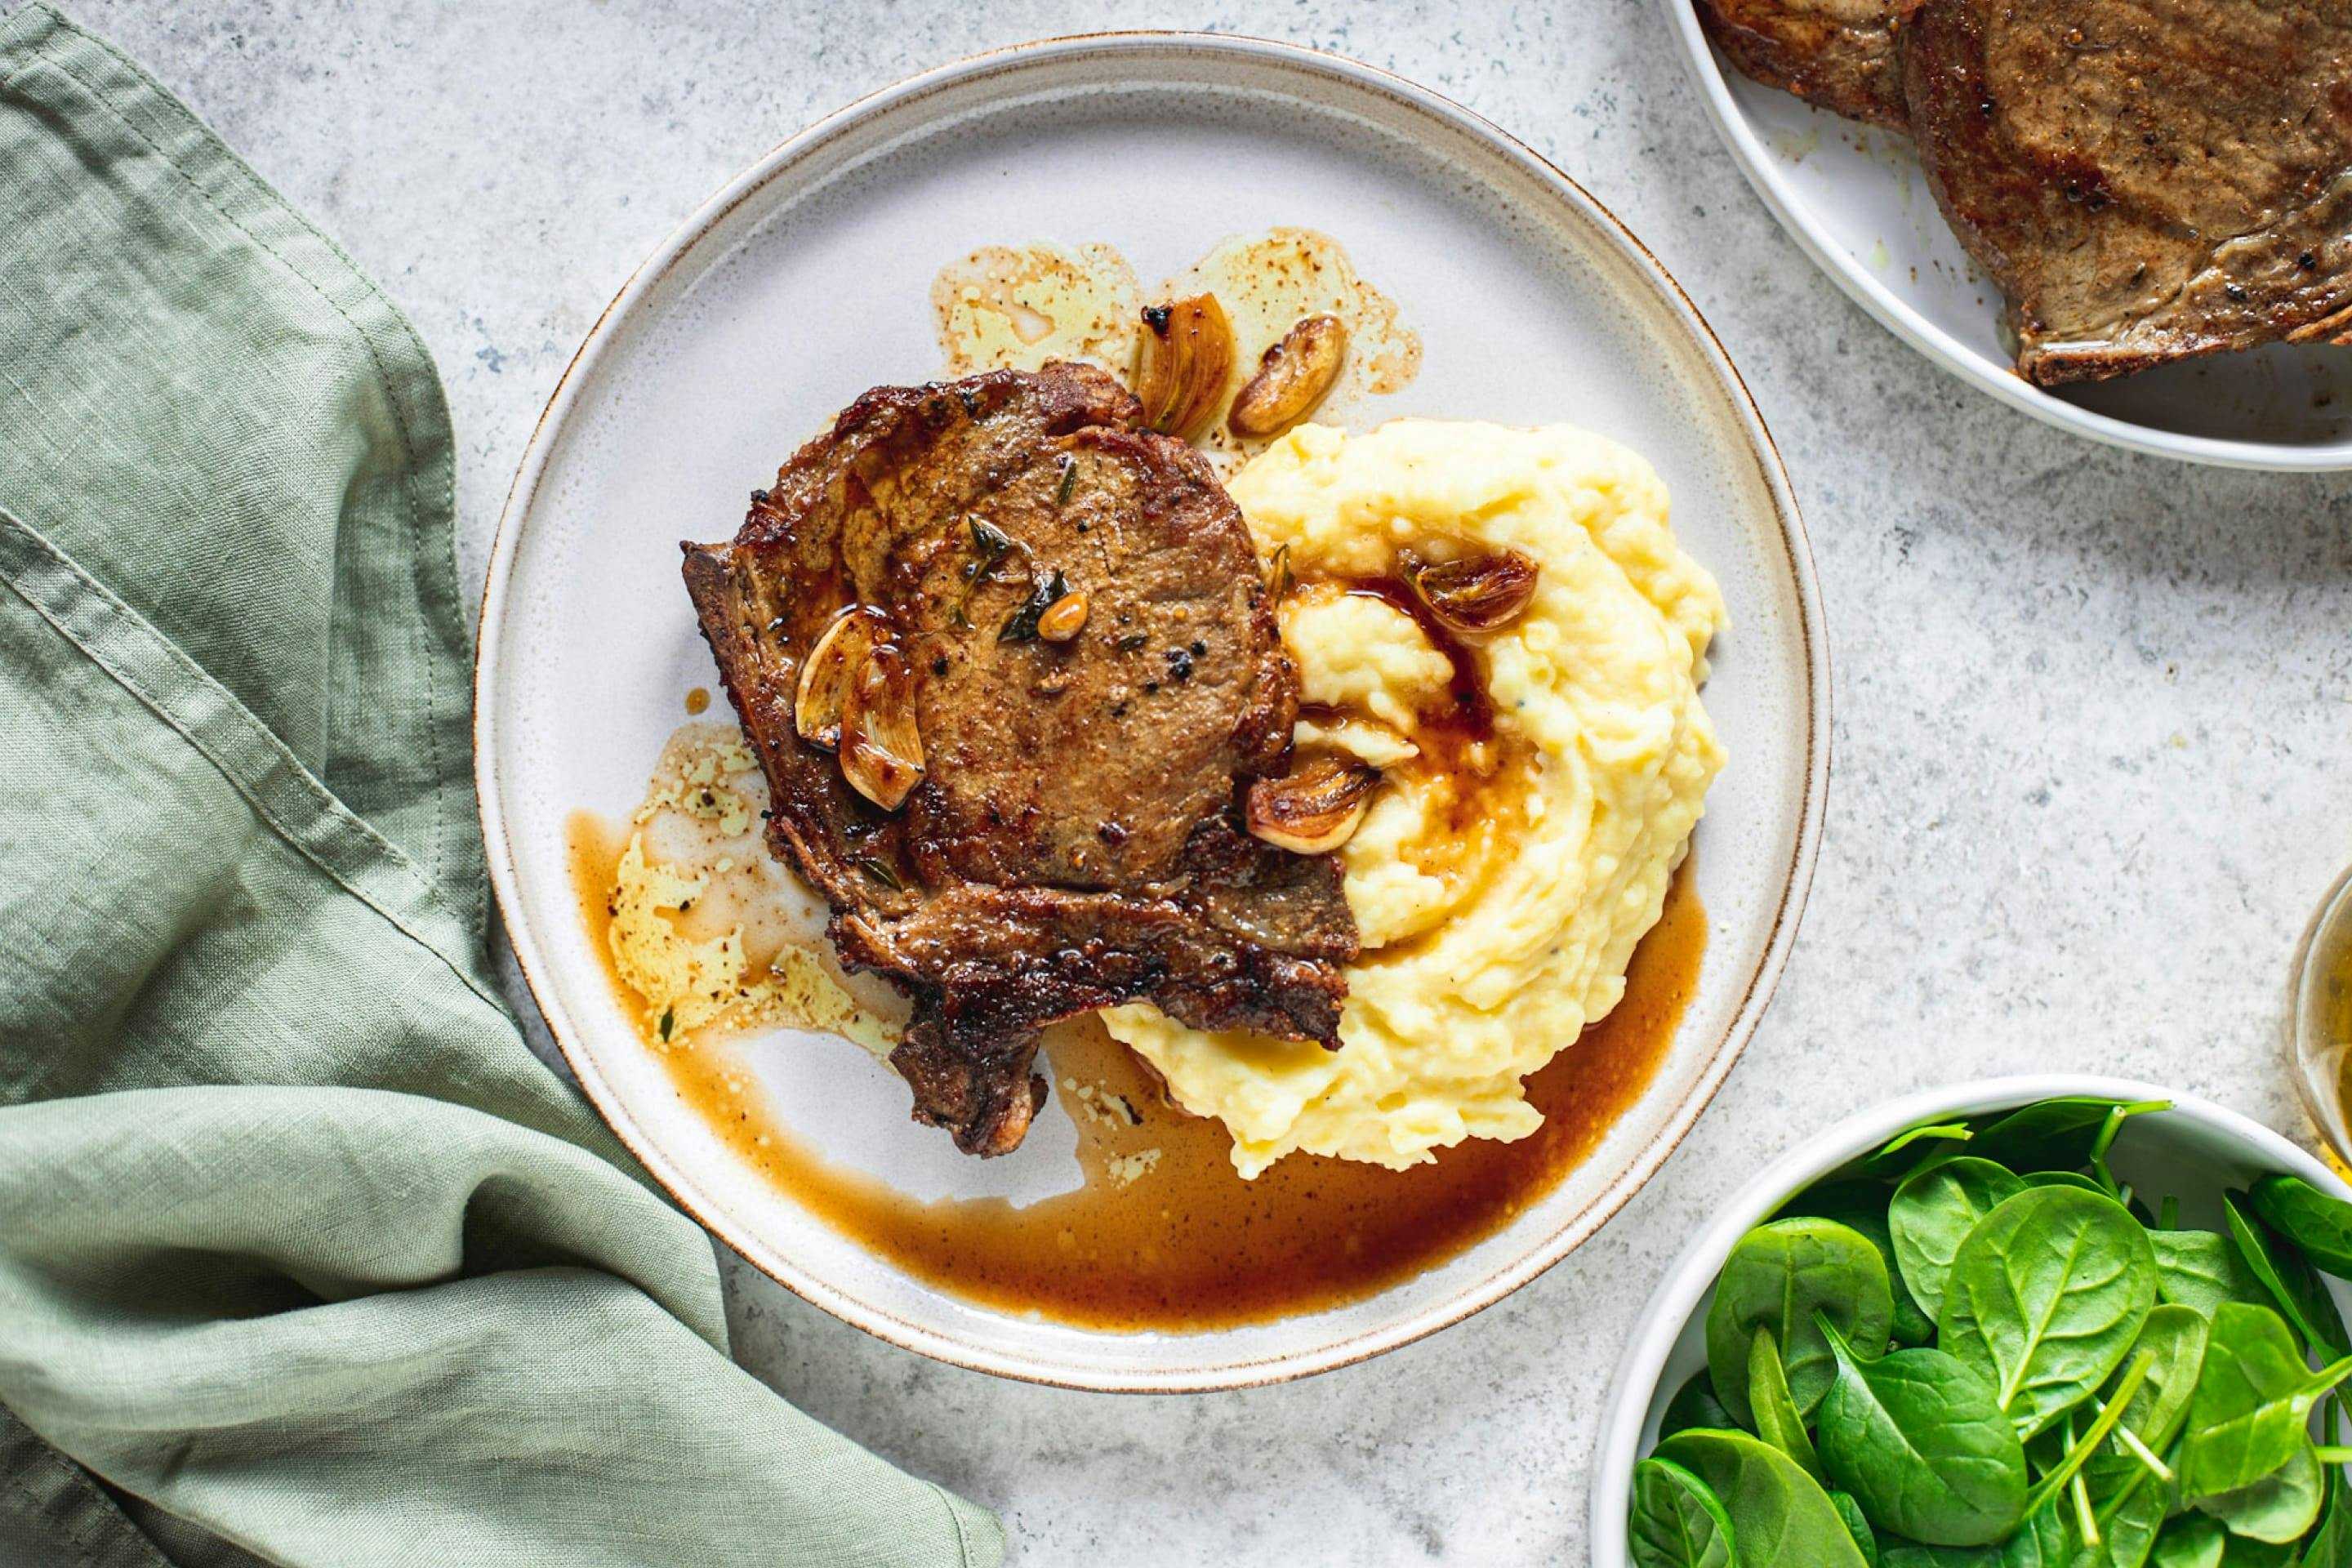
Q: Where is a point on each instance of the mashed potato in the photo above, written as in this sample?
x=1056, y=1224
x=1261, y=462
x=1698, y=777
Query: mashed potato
x=1500, y=884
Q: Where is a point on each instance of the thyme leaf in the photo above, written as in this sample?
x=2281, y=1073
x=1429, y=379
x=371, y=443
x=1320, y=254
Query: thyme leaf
x=1022, y=624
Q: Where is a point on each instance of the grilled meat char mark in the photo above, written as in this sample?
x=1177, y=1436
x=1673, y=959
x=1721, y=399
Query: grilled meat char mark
x=1074, y=841
x=1844, y=55
x=2146, y=183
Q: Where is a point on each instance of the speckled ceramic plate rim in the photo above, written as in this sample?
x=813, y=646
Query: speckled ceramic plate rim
x=1137, y=49
x=1762, y=172
x=1692, y=1273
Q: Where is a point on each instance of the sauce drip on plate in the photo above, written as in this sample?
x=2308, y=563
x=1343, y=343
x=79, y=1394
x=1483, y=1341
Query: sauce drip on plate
x=1164, y=1235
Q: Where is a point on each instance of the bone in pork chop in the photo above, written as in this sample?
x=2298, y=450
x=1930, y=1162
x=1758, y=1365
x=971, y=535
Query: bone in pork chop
x=1073, y=841
x=2145, y=182
x=1842, y=55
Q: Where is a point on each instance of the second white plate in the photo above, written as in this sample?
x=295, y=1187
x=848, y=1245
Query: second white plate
x=1853, y=197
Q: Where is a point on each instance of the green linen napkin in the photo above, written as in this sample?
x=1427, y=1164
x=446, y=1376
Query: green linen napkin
x=304, y=1258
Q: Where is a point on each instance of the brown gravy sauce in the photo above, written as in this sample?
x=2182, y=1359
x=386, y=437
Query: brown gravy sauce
x=1187, y=1244
x=1464, y=762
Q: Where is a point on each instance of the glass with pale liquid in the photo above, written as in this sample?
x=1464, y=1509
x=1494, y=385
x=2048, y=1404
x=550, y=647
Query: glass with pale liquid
x=2319, y=1022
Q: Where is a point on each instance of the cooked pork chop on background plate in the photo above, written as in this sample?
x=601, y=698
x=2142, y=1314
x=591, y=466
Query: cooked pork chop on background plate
x=1841, y=55
x=2147, y=181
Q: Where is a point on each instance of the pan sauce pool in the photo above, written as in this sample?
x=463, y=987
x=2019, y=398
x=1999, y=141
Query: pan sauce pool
x=1164, y=1235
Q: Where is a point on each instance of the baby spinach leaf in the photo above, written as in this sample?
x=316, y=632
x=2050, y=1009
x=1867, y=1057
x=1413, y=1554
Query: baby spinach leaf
x=1780, y=1516
x=1921, y=1442
x=1857, y=1524
x=1933, y=1212
x=2041, y=1542
x=2063, y=1179
x=2052, y=1134
x=2278, y=1508
x=2201, y=1269
x=2175, y=1335
x=2192, y=1541
x=2251, y=1404
x=1902, y=1153
x=2130, y=1523
x=1677, y=1522
x=1862, y=1206
x=2045, y=1296
x=1777, y=1421
x=1914, y=1554
x=1779, y=1275
x=1694, y=1404
x=2296, y=1290
x=2319, y=1225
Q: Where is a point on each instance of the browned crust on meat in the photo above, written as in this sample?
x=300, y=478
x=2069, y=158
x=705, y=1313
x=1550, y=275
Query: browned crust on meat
x=1844, y=55
x=1074, y=844
x=2145, y=184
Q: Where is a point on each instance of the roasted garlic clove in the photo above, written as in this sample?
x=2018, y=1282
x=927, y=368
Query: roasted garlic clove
x=1292, y=378
x=1184, y=355
x=881, y=747
x=1314, y=808
x=1477, y=592
x=1063, y=619
x=829, y=670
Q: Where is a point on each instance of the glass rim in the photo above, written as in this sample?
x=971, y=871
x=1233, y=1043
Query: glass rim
x=2303, y=975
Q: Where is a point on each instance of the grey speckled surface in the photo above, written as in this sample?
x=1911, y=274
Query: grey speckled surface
x=2094, y=747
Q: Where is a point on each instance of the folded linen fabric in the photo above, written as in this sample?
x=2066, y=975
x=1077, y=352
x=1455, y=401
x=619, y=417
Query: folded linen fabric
x=304, y=1258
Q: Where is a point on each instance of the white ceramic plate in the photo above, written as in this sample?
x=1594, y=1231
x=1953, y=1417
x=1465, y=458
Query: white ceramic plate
x=806, y=280
x=2191, y=1152
x=1853, y=197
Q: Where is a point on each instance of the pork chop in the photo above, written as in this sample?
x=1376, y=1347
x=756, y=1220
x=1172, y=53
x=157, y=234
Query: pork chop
x=1073, y=842
x=1842, y=55
x=2145, y=182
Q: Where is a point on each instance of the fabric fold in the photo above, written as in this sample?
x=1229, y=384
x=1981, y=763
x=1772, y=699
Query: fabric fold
x=304, y=1258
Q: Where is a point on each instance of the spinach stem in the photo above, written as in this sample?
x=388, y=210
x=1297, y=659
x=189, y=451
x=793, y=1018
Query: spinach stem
x=2332, y=1453
x=2115, y=1124
x=2088, y=1520
x=2138, y=1450
x=1955, y=1130
x=2108, y=1128
x=2168, y=1216
x=2327, y=1377
x=2078, y=1452
x=2077, y=1493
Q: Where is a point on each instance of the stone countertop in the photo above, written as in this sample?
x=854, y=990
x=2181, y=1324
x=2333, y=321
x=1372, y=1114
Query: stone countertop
x=2094, y=739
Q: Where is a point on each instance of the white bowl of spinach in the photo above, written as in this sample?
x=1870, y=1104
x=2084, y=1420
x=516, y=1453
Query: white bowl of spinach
x=2032, y=1322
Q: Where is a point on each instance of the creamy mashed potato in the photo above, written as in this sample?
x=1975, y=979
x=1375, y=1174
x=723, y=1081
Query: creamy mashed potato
x=1500, y=883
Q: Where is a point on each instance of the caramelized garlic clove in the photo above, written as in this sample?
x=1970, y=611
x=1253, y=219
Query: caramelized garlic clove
x=1477, y=592
x=1063, y=619
x=881, y=746
x=1293, y=377
x=1314, y=808
x=1184, y=353
x=830, y=671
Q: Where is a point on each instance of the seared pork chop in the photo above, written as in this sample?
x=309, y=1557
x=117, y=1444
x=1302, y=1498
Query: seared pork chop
x=2145, y=182
x=1841, y=55
x=1074, y=841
